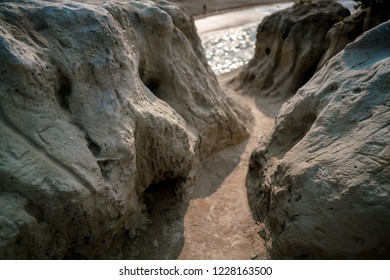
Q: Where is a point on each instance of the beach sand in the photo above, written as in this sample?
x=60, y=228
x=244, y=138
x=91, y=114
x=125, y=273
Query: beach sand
x=206, y=7
x=196, y=8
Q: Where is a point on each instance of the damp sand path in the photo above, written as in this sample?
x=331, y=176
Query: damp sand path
x=218, y=223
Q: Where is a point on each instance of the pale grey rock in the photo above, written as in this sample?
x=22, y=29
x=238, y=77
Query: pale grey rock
x=289, y=45
x=321, y=181
x=97, y=102
x=347, y=30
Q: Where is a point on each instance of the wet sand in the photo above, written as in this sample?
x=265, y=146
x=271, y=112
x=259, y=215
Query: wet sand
x=196, y=8
x=237, y=17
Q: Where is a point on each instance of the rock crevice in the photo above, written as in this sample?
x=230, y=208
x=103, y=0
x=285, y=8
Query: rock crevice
x=289, y=45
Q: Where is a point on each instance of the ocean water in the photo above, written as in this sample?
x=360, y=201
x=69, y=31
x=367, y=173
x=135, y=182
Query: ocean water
x=231, y=48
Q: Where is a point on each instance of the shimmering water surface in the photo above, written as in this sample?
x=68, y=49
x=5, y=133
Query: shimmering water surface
x=228, y=49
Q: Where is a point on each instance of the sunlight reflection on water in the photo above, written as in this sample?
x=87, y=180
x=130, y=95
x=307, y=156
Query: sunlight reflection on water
x=231, y=48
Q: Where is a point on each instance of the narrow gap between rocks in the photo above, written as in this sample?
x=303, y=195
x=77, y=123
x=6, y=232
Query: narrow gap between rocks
x=215, y=220
x=162, y=234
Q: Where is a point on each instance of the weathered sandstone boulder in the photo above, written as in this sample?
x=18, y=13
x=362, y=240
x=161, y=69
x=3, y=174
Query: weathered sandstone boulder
x=289, y=45
x=321, y=181
x=97, y=102
x=347, y=30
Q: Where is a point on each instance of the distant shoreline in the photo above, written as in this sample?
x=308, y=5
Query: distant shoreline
x=213, y=7
x=245, y=5
x=196, y=8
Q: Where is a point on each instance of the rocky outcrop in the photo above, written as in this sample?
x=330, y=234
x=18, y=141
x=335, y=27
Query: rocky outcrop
x=289, y=45
x=97, y=102
x=321, y=181
x=347, y=30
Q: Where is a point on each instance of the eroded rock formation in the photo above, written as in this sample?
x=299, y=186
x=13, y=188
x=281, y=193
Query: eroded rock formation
x=347, y=30
x=97, y=102
x=321, y=181
x=289, y=45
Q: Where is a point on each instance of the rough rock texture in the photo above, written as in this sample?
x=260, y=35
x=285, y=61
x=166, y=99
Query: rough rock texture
x=289, y=45
x=321, y=181
x=97, y=102
x=347, y=30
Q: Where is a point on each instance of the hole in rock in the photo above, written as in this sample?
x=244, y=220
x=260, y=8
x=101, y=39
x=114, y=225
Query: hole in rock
x=105, y=169
x=267, y=51
x=92, y=146
x=64, y=92
x=153, y=85
x=149, y=79
x=285, y=35
x=162, y=195
x=163, y=236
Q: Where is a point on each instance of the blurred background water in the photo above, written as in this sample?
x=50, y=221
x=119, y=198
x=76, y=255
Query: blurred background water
x=227, y=49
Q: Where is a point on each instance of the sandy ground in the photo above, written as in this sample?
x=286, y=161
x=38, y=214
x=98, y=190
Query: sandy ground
x=237, y=17
x=214, y=221
x=218, y=223
x=196, y=7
